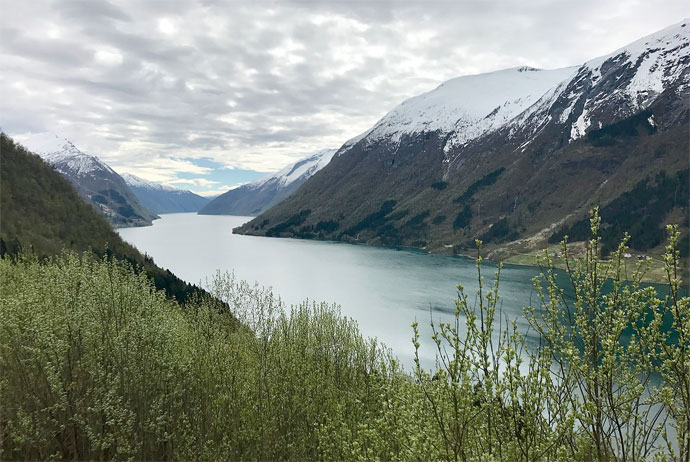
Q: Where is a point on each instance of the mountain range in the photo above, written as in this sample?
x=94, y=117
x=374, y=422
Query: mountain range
x=516, y=158
x=42, y=215
x=163, y=199
x=97, y=183
x=255, y=197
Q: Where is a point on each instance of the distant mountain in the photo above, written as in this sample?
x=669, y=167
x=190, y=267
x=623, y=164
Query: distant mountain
x=43, y=214
x=94, y=180
x=515, y=157
x=163, y=199
x=253, y=198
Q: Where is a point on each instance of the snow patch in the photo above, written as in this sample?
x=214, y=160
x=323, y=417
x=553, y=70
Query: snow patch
x=656, y=60
x=580, y=126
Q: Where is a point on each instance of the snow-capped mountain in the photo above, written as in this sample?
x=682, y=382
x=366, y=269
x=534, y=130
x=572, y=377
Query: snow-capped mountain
x=297, y=172
x=164, y=199
x=469, y=106
x=523, y=99
x=629, y=79
x=509, y=156
x=257, y=196
x=93, y=179
x=135, y=181
x=64, y=156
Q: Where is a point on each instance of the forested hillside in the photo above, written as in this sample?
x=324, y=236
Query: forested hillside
x=41, y=213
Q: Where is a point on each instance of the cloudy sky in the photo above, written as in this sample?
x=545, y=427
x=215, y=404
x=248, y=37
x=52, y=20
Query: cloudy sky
x=209, y=94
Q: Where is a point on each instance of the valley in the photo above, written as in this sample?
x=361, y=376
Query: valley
x=495, y=268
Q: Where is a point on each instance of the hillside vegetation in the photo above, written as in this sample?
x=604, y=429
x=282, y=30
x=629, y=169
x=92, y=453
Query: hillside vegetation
x=97, y=364
x=41, y=213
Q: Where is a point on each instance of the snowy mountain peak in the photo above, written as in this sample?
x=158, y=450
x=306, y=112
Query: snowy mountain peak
x=253, y=198
x=469, y=106
x=466, y=108
x=137, y=182
x=299, y=170
x=63, y=155
x=669, y=38
x=632, y=77
x=161, y=198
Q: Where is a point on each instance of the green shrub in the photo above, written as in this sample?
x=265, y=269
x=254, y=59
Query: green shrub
x=97, y=364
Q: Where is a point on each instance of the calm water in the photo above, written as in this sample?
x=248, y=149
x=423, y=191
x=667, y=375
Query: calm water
x=384, y=290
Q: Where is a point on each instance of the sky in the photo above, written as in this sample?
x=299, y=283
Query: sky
x=207, y=95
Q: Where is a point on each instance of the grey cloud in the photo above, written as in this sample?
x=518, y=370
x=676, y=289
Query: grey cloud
x=89, y=11
x=15, y=43
x=237, y=80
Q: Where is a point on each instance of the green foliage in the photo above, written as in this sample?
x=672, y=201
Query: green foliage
x=373, y=220
x=440, y=185
x=415, y=227
x=500, y=231
x=97, y=364
x=482, y=401
x=294, y=220
x=608, y=381
x=604, y=346
x=674, y=355
x=328, y=226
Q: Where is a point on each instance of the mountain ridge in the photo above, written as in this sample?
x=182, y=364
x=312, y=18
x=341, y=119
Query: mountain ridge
x=253, y=198
x=95, y=181
x=558, y=157
x=164, y=199
x=43, y=215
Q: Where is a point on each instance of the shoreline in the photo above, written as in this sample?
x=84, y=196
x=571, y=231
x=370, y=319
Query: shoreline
x=655, y=274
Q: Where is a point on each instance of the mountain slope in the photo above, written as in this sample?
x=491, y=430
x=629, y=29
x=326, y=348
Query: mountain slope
x=259, y=195
x=94, y=180
x=163, y=199
x=41, y=212
x=510, y=157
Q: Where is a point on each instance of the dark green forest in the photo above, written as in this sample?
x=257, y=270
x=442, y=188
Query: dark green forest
x=638, y=212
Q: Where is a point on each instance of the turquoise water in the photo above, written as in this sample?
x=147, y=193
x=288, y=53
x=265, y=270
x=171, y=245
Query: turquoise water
x=384, y=290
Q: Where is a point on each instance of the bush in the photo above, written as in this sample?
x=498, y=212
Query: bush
x=97, y=364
